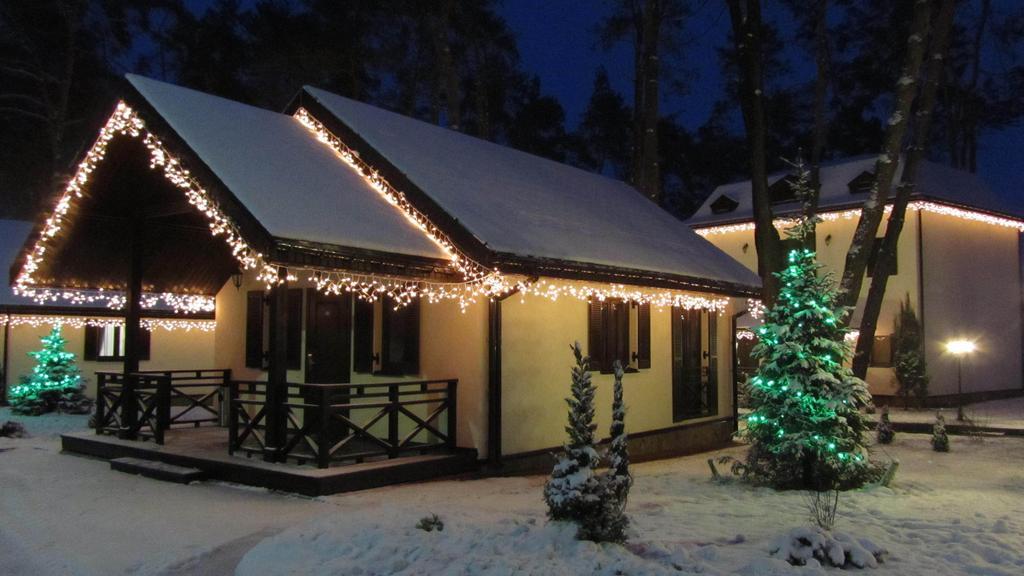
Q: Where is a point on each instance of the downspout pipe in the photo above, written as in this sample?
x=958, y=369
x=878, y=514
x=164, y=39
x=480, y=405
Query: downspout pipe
x=735, y=371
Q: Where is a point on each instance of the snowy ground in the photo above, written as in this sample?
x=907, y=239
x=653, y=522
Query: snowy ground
x=956, y=513
x=1007, y=413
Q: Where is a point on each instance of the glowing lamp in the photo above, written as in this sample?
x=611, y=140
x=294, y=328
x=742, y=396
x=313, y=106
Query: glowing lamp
x=960, y=347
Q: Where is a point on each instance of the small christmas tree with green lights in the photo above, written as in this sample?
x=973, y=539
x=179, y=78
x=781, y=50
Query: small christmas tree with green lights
x=55, y=382
x=806, y=428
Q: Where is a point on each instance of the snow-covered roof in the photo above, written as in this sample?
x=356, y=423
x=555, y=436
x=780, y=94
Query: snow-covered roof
x=519, y=204
x=935, y=181
x=13, y=234
x=292, y=184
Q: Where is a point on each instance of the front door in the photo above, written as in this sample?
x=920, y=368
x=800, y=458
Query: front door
x=328, y=338
x=694, y=356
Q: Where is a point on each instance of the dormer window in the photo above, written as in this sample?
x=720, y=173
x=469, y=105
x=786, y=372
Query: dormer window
x=782, y=190
x=723, y=204
x=862, y=183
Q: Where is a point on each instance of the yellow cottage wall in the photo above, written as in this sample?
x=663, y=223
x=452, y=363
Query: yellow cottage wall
x=833, y=241
x=536, y=364
x=972, y=290
x=169, y=350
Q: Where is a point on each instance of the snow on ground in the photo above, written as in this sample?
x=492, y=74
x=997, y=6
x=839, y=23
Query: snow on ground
x=47, y=425
x=1006, y=413
x=956, y=513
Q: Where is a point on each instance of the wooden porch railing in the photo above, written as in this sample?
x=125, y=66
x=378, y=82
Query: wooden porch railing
x=327, y=423
x=146, y=404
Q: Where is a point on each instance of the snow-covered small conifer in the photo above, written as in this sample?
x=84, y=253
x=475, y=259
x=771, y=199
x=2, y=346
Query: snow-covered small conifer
x=55, y=382
x=609, y=524
x=573, y=492
x=940, y=440
x=884, y=430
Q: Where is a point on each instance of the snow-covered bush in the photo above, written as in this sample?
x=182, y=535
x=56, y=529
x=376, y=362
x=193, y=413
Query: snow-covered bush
x=884, y=430
x=596, y=503
x=800, y=545
x=940, y=440
x=430, y=523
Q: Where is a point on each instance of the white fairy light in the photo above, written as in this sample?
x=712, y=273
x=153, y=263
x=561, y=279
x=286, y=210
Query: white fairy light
x=151, y=324
x=923, y=205
x=478, y=282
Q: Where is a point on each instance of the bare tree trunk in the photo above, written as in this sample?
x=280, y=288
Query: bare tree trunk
x=448, y=76
x=917, y=153
x=649, y=179
x=822, y=64
x=636, y=164
x=885, y=168
x=747, y=30
x=972, y=101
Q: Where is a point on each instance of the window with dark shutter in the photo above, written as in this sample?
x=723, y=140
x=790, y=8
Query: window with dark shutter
x=608, y=335
x=294, y=338
x=362, y=337
x=881, y=352
x=595, y=336
x=643, y=336
x=107, y=343
x=254, y=329
x=400, y=339
x=92, y=343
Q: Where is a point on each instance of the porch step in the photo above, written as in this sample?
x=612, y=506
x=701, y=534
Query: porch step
x=157, y=470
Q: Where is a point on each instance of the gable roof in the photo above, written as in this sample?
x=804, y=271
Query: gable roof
x=294, y=186
x=936, y=182
x=519, y=206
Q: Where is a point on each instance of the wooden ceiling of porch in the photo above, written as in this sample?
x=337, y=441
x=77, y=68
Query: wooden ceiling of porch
x=92, y=249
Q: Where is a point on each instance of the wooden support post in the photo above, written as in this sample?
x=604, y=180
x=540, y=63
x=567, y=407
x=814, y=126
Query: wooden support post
x=132, y=335
x=7, y=362
x=101, y=401
x=277, y=372
x=453, y=410
x=325, y=439
x=393, y=420
x=233, y=416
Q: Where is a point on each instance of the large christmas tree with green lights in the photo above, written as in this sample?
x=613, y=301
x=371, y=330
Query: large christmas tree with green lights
x=55, y=382
x=806, y=428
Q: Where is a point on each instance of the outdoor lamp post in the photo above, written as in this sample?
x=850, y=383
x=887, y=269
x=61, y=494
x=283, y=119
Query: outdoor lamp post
x=959, y=348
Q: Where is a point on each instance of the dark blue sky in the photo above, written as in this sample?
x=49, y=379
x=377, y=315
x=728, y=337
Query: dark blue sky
x=557, y=41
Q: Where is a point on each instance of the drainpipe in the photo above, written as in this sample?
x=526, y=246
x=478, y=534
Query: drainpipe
x=6, y=368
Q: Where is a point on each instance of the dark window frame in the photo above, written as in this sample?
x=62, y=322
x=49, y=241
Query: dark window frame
x=94, y=343
x=609, y=335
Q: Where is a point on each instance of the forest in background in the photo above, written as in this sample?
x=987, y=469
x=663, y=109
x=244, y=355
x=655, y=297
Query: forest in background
x=457, y=64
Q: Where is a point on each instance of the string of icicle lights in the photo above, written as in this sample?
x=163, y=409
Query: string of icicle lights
x=478, y=281
x=125, y=122
x=151, y=324
x=926, y=206
x=748, y=334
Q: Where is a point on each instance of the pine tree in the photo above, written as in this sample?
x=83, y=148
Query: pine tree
x=609, y=522
x=55, y=382
x=574, y=491
x=909, y=362
x=806, y=428
x=884, y=431
x=940, y=440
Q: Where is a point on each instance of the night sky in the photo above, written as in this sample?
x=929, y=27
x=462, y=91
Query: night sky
x=557, y=41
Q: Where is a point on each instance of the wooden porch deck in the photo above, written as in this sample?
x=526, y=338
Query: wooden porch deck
x=206, y=448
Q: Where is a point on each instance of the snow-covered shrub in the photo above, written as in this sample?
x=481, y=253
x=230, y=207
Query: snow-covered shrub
x=596, y=503
x=940, y=440
x=610, y=522
x=12, y=429
x=800, y=545
x=430, y=523
x=884, y=431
